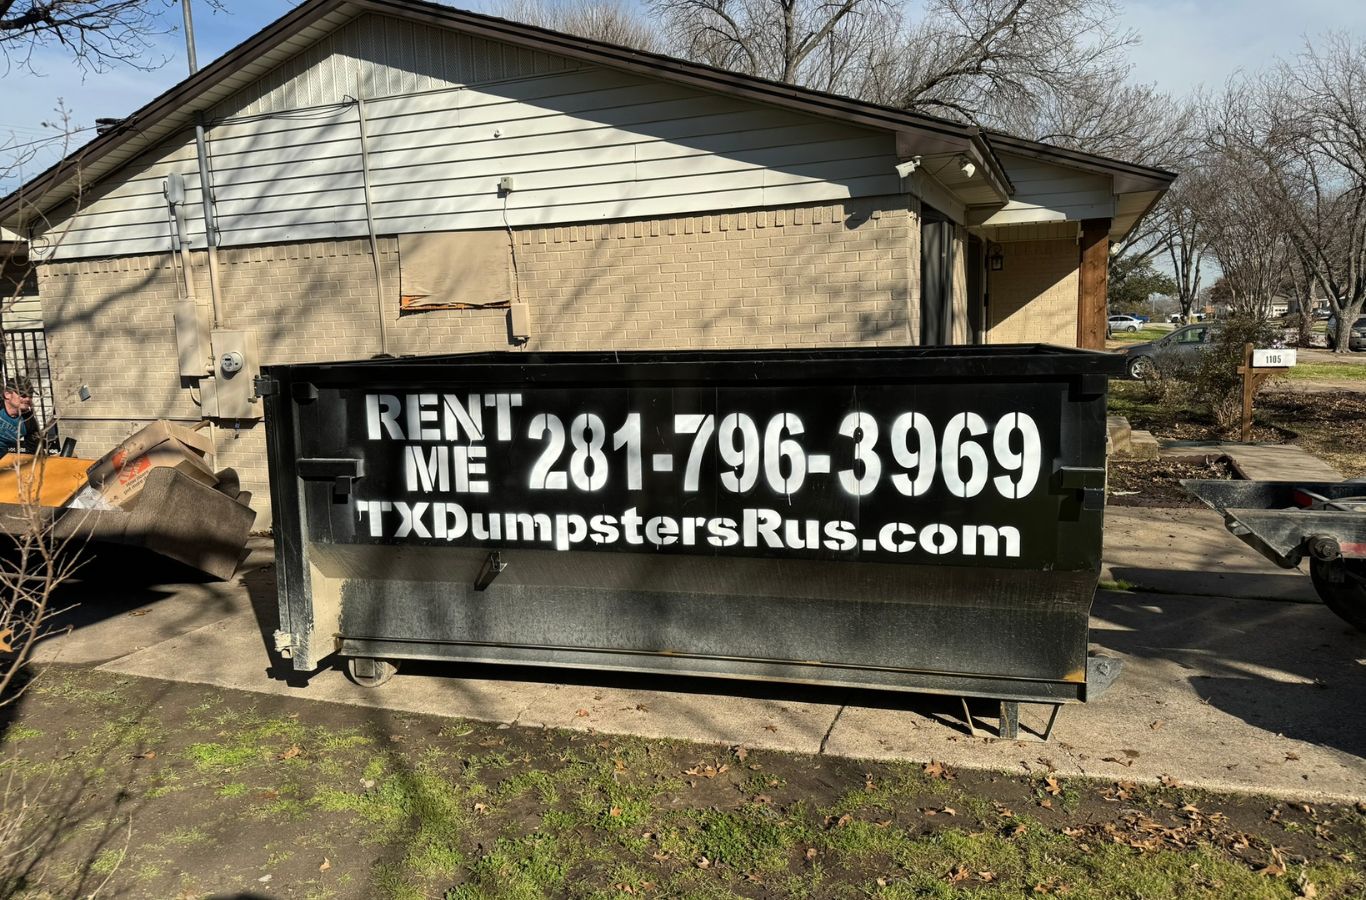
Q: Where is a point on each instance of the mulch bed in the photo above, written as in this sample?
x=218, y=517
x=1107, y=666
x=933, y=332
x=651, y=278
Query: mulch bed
x=1157, y=482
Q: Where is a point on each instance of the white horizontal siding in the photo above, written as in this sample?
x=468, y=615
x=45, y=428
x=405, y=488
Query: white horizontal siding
x=1049, y=193
x=580, y=144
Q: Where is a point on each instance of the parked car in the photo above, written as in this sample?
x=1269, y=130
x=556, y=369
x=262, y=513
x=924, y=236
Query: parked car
x=1356, y=339
x=1125, y=323
x=1153, y=357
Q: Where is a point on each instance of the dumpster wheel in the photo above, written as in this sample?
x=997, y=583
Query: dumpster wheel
x=1341, y=584
x=369, y=672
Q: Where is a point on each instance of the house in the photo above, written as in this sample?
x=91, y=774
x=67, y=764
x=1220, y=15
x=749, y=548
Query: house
x=396, y=176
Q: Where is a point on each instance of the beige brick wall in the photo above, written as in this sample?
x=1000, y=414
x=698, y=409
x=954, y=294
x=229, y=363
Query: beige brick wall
x=834, y=275
x=1033, y=299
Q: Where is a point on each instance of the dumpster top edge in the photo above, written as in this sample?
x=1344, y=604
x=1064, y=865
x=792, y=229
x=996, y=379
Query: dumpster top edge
x=999, y=361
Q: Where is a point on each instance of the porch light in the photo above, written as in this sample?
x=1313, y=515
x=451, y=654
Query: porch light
x=997, y=259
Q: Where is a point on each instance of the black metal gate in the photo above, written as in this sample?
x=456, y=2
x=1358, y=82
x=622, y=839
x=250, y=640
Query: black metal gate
x=25, y=355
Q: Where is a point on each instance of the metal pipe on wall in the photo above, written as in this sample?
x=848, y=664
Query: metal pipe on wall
x=370, y=226
x=205, y=191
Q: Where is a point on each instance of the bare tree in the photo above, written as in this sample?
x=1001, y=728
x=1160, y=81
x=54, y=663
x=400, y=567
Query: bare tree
x=96, y=34
x=986, y=61
x=1298, y=133
x=1249, y=243
x=808, y=42
x=612, y=21
x=1185, y=237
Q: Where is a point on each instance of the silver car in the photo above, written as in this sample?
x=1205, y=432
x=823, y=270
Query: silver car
x=1356, y=339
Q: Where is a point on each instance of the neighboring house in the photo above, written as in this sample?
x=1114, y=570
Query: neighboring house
x=525, y=189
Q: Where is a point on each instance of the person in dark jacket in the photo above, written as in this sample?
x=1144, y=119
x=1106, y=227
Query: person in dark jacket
x=19, y=430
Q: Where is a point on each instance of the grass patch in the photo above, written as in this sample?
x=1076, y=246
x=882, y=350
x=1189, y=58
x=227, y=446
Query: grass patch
x=470, y=812
x=1326, y=372
x=1143, y=334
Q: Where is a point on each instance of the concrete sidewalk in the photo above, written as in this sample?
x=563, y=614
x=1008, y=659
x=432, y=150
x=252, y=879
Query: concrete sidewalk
x=1259, y=462
x=1226, y=694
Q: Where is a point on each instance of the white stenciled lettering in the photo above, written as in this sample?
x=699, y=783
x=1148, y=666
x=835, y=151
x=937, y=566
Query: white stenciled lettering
x=449, y=521
x=896, y=537
x=476, y=467
x=958, y=448
x=528, y=527
x=427, y=472
x=938, y=539
x=381, y=411
x=570, y=529
x=503, y=405
x=840, y=536
x=410, y=519
x=990, y=538
x=661, y=530
x=802, y=535
x=605, y=529
x=763, y=523
x=863, y=429
x=462, y=418
x=1026, y=463
x=422, y=411
x=722, y=532
x=630, y=524
x=543, y=476
x=374, y=510
x=777, y=448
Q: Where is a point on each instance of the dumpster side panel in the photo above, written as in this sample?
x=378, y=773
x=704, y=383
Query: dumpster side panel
x=912, y=519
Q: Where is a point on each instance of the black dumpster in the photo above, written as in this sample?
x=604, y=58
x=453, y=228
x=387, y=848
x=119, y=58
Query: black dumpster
x=923, y=519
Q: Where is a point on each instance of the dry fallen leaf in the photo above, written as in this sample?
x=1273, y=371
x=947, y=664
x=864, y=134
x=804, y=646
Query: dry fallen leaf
x=810, y=853
x=773, y=728
x=986, y=877
x=1114, y=759
x=146, y=754
x=1291, y=756
x=740, y=753
x=614, y=812
x=1050, y=785
x=481, y=808
x=704, y=863
x=1168, y=781
x=959, y=873
x=327, y=864
x=6, y=637
x=291, y=752
x=581, y=713
x=936, y=769
x=1156, y=724
x=136, y=612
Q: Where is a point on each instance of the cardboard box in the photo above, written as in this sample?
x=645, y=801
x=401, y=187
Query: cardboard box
x=119, y=475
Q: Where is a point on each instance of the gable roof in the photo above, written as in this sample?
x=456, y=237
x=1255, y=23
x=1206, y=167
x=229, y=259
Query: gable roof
x=181, y=105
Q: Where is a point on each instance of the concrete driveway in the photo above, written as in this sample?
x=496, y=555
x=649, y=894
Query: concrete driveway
x=1235, y=677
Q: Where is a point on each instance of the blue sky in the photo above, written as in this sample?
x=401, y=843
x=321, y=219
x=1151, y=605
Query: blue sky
x=1185, y=43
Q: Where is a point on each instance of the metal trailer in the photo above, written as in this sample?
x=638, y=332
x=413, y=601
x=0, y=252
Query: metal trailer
x=919, y=519
x=1287, y=521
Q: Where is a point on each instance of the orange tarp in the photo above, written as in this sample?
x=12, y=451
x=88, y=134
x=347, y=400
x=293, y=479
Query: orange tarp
x=52, y=481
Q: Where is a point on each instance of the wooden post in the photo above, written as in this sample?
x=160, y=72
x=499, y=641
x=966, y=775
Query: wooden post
x=1093, y=284
x=1252, y=380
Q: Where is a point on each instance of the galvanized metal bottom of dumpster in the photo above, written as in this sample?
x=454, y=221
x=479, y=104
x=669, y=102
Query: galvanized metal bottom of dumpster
x=913, y=519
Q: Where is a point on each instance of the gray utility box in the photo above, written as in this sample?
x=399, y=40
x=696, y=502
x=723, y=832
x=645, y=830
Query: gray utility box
x=924, y=519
